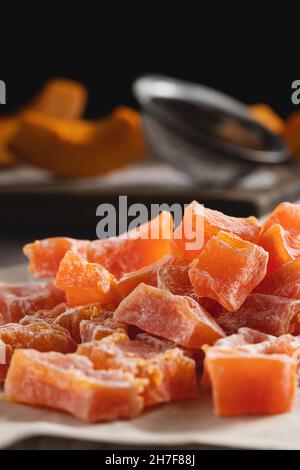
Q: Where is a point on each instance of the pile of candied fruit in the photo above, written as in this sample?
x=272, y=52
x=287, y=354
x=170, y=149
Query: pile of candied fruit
x=114, y=326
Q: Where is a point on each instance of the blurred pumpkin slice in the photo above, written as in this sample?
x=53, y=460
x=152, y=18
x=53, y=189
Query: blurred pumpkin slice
x=79, y=148
x=59, y=98
x=8, y=126
x=265, y=115
x=131, y=116
x=292, y=133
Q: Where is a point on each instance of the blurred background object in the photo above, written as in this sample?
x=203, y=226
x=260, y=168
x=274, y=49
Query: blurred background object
x=190, y=142
x=198, y=130
x=291, y=133
x=59, y=98
x=79, y=148
x=267, y=116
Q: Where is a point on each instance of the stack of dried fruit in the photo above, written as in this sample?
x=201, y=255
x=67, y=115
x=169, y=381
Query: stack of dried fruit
x=51, y=134
x=133, y=321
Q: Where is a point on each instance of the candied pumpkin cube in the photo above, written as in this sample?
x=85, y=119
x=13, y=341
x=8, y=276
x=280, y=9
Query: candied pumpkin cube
x=98, y=328
x=100, y=324
x=70, y=383
x=228, y=269
x=146, y=275
x=173, y=317
x=135, y=249
x=280, y=235
x=16, y=301
x=83, y=282
x=267, y=313
x=40, y=336
x=244, y=383
x=283, y=282
x=45, y=255
x=72, y=318
x=285, y=214
x=250, y=340
x=281, y=246
x=84, y=323
x=171, y=375
x=244, y=338
x=129, y=252
x=199, y=224
x=92, y=330
x=47, y=315
x=173, y=277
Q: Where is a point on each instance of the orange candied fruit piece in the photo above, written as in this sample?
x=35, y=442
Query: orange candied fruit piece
x=280, y=246
x=173, y=317
x=173, y=276
x=16, y=301
x=171, y=375
x=228, y=269
x=267, y=313
x=250, y=340
x=45, y=255
x=135, y=249
x=86, y=321
x=199, y=224
x=72, y=318
x=94, y=330
x=254, y=341
x=254, y=383
x=285, y=214
x=44, y=315
x=83, y=282
x=284, y=282
x=68, y=382
x=40, y=336
x=129, y=252
x=147, y=275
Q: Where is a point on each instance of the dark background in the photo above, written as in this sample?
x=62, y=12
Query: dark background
x=251, y=56
x=244, y=52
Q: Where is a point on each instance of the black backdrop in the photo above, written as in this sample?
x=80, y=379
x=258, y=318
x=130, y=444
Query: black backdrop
x=251, y=56
x=252, y=59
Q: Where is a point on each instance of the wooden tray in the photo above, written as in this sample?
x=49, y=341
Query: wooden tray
x=32, y=201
